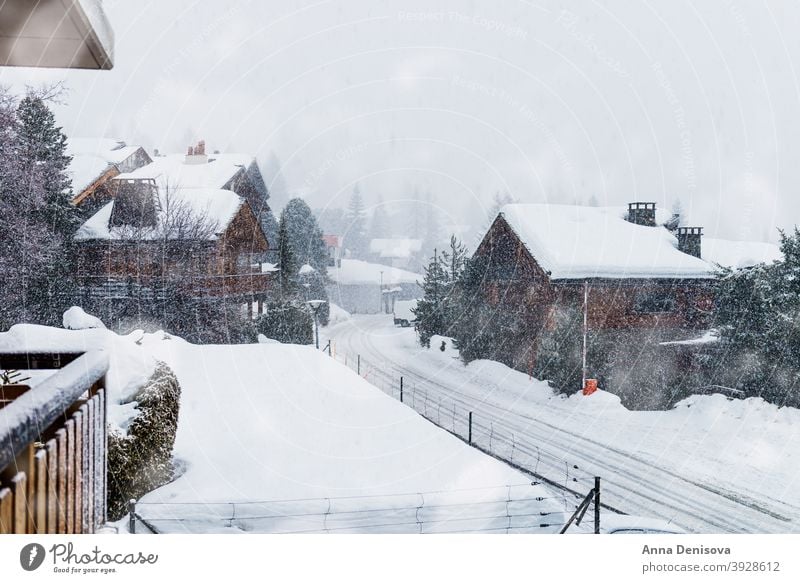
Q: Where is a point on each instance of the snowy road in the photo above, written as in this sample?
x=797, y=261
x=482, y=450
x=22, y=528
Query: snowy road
x=709, y=466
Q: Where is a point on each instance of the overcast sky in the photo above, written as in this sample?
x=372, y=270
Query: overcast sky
x=623, y=100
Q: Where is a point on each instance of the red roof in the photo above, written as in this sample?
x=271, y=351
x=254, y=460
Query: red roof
x=332, y=240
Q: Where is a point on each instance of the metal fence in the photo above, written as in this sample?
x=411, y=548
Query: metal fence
x=505, y=509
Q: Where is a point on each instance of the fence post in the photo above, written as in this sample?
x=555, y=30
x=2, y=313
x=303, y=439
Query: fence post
x=401, y=389
x=358, y=365
x=597, y=505
x=470, y=428
x=132, y=516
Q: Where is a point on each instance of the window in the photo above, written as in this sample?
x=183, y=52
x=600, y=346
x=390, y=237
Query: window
x=654, y=302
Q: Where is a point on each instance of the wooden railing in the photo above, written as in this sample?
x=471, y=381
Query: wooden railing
x=53, y=439
x=149, y=288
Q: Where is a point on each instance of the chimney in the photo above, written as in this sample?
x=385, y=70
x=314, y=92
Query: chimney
x=642, y=213
x=196, y=154
x=690, y=240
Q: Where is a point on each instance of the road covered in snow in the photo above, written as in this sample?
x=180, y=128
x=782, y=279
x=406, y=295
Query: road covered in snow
x=709, y=465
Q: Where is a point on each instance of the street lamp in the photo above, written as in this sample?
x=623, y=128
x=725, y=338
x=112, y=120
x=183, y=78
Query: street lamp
x=315, y=305
x=380, y=307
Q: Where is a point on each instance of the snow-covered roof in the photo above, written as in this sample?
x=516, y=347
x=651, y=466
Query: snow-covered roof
x=575, y=242
x=218, y=206
x=395, y=248
x=173, y=170
x=402, y=309
x=355, y=271
x=306, y=269
x=91, y=157
x=739, y=254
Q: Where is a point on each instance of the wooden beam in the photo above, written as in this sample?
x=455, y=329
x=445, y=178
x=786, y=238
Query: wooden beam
x=6, y=511
x=40, y=492
x=61, y=481
x=51, y=450
x=19, y=492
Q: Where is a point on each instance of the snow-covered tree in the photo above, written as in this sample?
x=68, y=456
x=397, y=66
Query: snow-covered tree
x=379, y=226
x=758, y=312
x=355, y=235
x=438, y=309
x=305, y=236
x=287, y=262
x=39, y=221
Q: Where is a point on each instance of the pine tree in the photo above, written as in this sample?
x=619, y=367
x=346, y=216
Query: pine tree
x=35, y=191
x=287, y=263
x=305, y=236
x=455, y=259
x=430, y=311
x=379, y=227
x=758, y=313
x=355, y=235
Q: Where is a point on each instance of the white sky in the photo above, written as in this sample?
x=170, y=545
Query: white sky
x=624, y=100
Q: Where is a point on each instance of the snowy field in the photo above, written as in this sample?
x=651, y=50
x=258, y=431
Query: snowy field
x=282, y=438
x=709, y=465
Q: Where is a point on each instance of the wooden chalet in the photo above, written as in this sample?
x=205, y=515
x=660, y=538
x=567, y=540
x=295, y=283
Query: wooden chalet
x=172, y=224
x=633, y=272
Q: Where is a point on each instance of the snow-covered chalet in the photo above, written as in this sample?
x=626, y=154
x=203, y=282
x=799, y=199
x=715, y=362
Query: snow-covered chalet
x=193, y=218
x=634, y=268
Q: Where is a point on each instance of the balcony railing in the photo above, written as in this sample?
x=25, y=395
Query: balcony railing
x=53, y=445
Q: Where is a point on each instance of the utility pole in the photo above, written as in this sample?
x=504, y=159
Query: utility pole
x=380, y=306
x=585, y=328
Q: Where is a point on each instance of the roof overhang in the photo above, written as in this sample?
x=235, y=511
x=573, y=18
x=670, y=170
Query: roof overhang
x=73, y=34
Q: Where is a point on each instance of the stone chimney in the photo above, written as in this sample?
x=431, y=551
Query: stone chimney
x=690, y=240
x=196, y=154
x=642, y=213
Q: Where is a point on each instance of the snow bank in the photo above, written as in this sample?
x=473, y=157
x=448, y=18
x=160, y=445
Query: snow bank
x=287, y=422
x=130, y=365
x=76, y=319
x=337, y=315
x=355, y=271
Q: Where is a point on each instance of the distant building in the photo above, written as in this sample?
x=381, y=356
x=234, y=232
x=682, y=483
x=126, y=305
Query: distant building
x=333, y=244
x=397, y=252
x=361, y=287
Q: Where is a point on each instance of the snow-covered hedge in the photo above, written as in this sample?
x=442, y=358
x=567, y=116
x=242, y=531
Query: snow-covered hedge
x=140, y=459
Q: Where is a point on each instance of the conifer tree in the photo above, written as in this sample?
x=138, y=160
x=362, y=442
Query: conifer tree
x=355, y=235
x=287, y=263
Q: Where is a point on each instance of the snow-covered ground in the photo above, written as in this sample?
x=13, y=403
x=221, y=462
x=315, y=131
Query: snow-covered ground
x=282, y=438
x=710, y=465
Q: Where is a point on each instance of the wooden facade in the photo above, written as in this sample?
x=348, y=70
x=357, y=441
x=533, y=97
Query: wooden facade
x=222, y=267
x=515, y=278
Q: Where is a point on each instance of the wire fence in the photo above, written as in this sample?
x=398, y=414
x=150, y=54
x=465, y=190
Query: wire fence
x=495, y=436
x=506, y=509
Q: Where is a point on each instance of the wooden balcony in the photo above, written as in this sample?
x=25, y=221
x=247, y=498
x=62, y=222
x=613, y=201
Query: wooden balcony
x=53, y=445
